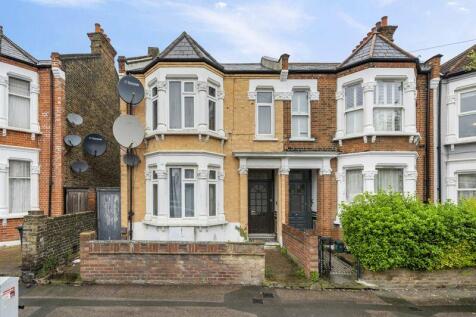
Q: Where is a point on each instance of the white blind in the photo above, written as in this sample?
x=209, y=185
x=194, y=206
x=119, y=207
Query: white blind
x=175, y=105
x=389, y=179
x=18, y=103
x=353, y=183
x=388, y=119
x=354, y=121
x=19, y=186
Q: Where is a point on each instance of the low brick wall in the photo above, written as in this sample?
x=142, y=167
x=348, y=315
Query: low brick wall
x=401, y=278
x=302, y=247
x=150, y=262
x=52, y=239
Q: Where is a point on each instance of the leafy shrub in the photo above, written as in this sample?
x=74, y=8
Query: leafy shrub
x=390, y=230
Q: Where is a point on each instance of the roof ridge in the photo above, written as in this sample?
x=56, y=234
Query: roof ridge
x=357, y=49
x=372, y=46
x=395, y=46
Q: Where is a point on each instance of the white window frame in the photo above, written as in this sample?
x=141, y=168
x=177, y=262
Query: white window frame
x=299, y=114
x=462, y=114
x=385, y=106
x=458, y=189
x=10, y=178
x=355, y=107
x=184, y=95
x=20, y=96
x=215, y=100
x=212, y=181
x=272, y=118
x=155, y=200
x=154, y=98
x=399, y=168
x=184, y=181
x=353, y=169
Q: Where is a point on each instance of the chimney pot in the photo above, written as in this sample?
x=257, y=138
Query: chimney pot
x=97, y=27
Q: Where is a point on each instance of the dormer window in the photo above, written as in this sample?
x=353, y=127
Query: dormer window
x=182, y=104
x=212, y=105
x=354, y=108
x=388, y=105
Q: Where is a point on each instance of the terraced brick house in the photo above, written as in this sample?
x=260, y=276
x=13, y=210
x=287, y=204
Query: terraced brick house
x=35, y=97
x=457, y=128
x=269, y=150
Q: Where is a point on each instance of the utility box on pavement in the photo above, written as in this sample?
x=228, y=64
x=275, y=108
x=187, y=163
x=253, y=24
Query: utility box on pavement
x=9, y=296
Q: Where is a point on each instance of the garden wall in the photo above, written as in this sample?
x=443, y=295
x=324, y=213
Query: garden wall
x=150, y=262
x=52, y=240
x=302, y=247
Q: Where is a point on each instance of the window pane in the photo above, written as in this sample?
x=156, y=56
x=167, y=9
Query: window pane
x=189, y=200
x=294, y=127
x=264, y=120
x=468, y=101
x=175, y=189
x=212, y=200
x=19, y=112
x=388, y=119
x=155, y=197
x=212, y=91
x=349, y=97
x=353, y=183
x=154, y=91
x=303, y=126
x=189, y=173
x=467, y=126
x=19, y=187
x=154, y=114
x=175, y=103
x=299, y=102
x=359, y=91
x=264, y=97
x=467, y=181
x=188, y=87
x=212, y=174
x=189, y=121
x=353, y=122
x=380, y=92
x=19, y=87
x=389, y=179
x=397, y=93
x=466, y=194
x=211, y=115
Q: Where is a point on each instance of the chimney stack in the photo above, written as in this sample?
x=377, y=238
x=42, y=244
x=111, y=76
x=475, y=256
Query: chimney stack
x=1, y=30
x=121, y=61
x=284, y=61
x=153, y=51
x=384, y=29
x=100, y=43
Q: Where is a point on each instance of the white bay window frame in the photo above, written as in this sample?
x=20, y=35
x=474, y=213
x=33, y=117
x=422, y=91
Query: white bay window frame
x=354, y=106
x=295, y=114
x=465, y=190
x=471, y=113
x=385, y=90
x=184, y=95
x=185, y=181
x=260, y=104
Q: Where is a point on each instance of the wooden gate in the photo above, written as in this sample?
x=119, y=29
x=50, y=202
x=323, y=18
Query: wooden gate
x=109, y=213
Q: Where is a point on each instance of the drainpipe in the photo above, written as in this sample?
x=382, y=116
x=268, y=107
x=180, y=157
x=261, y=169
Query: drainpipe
x=427, y=140
x=52, y=120
x=438, y=147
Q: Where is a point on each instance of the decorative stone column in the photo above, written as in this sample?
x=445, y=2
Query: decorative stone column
x=202, y=107
x=409, y=103
x=409, y=182
x=201, y=209
x=3, y=189
x=148, y=111
x=3, y=101
x=451, y=133
x=243, y=171
x=369, y=177
x=451, y=188
x=162, y=177
x=340, y=114
x=35, y=187
x=34, y=95
x=221, y=196
x=220, y=112
x=149, y=202
x=368, y=119
x=162, y=109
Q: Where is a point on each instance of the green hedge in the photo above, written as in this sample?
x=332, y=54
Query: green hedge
x=389, y=230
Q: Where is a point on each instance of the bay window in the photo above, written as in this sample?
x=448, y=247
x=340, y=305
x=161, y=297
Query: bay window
x=467, y=114
x=466, y=186
x=18, y=103
x=388, y=106
x=212, y=192
x=389, y=179
x=181, y=104
x=354, y=109
x=212, y=104
x=155, y=109
x=19, y=186
x=182, y=192
x=353, y=183
x=300, y=114
x=155, y=193
x=264, y=113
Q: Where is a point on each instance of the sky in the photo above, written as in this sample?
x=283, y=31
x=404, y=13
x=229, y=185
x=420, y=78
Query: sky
x=240, y=31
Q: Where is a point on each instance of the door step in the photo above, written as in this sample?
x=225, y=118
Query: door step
x=262, y=237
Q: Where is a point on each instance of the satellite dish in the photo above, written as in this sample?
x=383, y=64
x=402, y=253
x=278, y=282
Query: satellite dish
x=74, y=119
x=94, y=144
x=128, y=131
x=131, y=90
x=72, y=140
x=79, y=166
x=131, y=159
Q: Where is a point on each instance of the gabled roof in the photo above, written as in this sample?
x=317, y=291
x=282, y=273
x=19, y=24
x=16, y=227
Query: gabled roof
x=9, y=49
x=185, y=47
x=376, y=47
x=458, y=64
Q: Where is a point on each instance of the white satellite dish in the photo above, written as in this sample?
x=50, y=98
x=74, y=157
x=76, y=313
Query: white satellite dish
x=128, y=131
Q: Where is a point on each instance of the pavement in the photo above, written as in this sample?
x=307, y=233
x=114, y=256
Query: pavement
x=10, y=261
x=224, y=301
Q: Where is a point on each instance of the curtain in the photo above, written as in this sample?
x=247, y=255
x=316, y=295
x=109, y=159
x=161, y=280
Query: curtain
x=189, y=120
x=189, y=200
x=353, y=183
x=354, y=121
x=175, y=103
x=211, y=115
x=212, y=200
x=388, y=119
x=264, y=119
x=389, y=179
x=175, y=189
x=155, y=197
x=19, y=112
x=19, y=187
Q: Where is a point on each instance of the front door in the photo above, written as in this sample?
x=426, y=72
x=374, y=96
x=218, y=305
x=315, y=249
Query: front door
x=300, y=187
x=260, y=201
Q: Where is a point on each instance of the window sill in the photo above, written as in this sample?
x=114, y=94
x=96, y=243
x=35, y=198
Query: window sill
x=20, y=130
x=14, y=216
x=184, y=222
x=209, y=133
x=302, y=139
x=376, y=134
x=264, y=139
x=462, y=141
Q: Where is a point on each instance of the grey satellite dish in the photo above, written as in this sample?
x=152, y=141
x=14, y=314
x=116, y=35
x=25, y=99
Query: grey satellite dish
x=72, y=140
x=79, y=166
x=74, y=119
x=131, y=90
x=94, y=144
x=128, y=131
x=131, y=159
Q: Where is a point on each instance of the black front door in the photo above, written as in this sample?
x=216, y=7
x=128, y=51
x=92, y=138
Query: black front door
x=300, y=212
x=260, y=201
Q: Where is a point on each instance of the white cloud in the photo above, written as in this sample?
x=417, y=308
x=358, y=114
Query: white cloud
x=353, y=23
x=68, y=3
x=458, y=6
x=220, y=5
